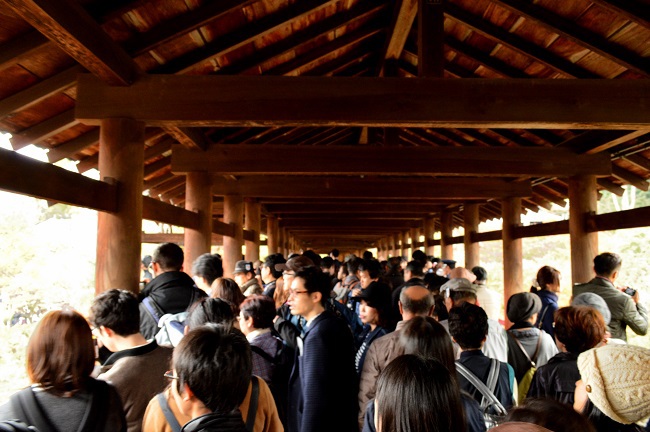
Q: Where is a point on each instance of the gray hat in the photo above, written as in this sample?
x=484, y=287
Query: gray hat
x=459, y=284
x=595, y=301
x=522, y=306
x=243, y=267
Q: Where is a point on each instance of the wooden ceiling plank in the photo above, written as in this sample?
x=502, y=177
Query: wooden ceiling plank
x=349, y=224
x=24, y=175
x=73, y=30
x=485, y=59
x=613, y=142
x=44, y=130
x=514, y=137
x=191, y=138
x=174, y=193
x=20, y=47
x=400, y=27
x=158, y=149
x=292, y=209
x=639, y=161
x=388, y=160
x=318, y=101
x=581, y=36
x=516, y=43
x=629, y=177
x=610, y=186
x=544, y=192
x=69, y=148
x=157, y=166
x=166, y=186
x=88, y=163
x=364, y=188
x=156, y=181
x=633, y=11
x=38, y=92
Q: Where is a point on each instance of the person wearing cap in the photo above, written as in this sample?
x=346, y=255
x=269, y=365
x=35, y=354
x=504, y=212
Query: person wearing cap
x=270, y=276
x=577, y=329
x=539, y=347
x=614, y=390
x=145, y=267
x=374, y=308
x=626, y=309
x=245, y=278
x=488, y=299
x=595, y=301
x=461, y=290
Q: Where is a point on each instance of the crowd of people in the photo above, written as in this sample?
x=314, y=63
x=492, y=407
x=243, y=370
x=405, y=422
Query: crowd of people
x=309, y=344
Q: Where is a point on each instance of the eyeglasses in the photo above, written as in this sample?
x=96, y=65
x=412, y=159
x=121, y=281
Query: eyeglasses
x=293, y=293
x=170, y=375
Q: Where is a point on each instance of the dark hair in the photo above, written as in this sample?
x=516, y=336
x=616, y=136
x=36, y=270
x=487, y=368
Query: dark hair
x=61, y=353
x=440, y=309
x=169, y=256
x=335, y=252
x=215, y=362
x=367, y=255
x=415, y=394
x=118, y=310
x=547, y=275
x=420, y=256
x=208, y=266
x=416, y=268
x=326, y=263
x=480, y=273
x=468, y=325
x=270, y=263
x=210, y=310
x=313, y=256
x=551, y=414
x=426, y=337
x=420, y=306
x=607, y=263
x=227, y=289
x=579, y=328
x=261, y=308
x=353, y=265
x=316, y=281
x=459, y=297
x=372, y=266
x=602, y=422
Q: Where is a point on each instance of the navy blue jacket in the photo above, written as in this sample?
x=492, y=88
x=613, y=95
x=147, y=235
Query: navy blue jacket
x=323, y=383
x=549, y=306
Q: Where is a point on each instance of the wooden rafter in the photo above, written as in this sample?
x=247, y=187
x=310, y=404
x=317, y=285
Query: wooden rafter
x=400, y=27
x=41, y=131
x=20, y=48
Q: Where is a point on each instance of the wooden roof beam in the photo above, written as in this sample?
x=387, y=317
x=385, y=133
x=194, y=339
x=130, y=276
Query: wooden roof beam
x=44, y=130
x=358, y=160
x=357, y=207
x=156, y=181
x=190, y=138
x=485, y=59
x=629, y=177
x=20, y=47
x=400, y=27
x=317, y=101
x=155, y=210
x=368, y=188
x=73, y=30
x=567, y=28
x=24, y=175
x=610, y=186
x=516, y=43
x=75, y=145
x=634, y=11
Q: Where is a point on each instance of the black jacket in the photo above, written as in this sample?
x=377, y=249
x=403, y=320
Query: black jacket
x=173, y=292
x=216, y=423
x=556, y=379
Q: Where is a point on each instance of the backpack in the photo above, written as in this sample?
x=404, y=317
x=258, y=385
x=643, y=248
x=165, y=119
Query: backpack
x=172, y=326
x=522, y=364
x=282, y=367
x=493, y=411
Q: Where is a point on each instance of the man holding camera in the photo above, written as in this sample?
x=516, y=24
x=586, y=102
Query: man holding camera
x=623, y=303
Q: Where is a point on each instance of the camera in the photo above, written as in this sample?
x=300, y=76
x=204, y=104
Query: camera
x=629, y=291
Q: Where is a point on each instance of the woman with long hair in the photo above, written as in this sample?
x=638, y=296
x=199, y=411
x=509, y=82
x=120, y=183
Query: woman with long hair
x=227, y=289
x=548, y=280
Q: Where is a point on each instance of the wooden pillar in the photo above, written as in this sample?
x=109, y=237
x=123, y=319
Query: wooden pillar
x=252, y=221
x=446, y=224
x=513, y=275
x=198, y=198
x=429, y=231
x=406, y=249
x=584, y=244
x=121, y=159
x=233, y=213
x=470, y=222
x=393, y=248
x=397, y=238
x=271, y=235
x=415, y=238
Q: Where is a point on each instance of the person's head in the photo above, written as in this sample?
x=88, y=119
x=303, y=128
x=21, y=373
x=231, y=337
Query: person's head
x=579, y=328
x=369, y=271
x=417, y=394
x=615, y=381
x=595, y=301
x=353, y=265
x=327, y=265
x=334, y=253
x=268, y=271
x=227, y=289
x=420, y=256
x=523, y=307
x=291, y=267
x=481, y=275
x=414, y=269
x=167, y=257
x=607, y=265
x=458, y=291
x=548, y=278
x=415, y=300
x=212, y=365
x=367, y=255
x=210, y=310
x=550, y=414
x=313, y=256
x=468, y=325
x=343, y=272
x=375, y=304
x=309, y=291
x=115, y=312
x=206, y=268
x=426, y=337
x=256, y=312
x=61, y=353
x=243, y=272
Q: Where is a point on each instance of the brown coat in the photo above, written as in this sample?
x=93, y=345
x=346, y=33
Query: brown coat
x=266, y=420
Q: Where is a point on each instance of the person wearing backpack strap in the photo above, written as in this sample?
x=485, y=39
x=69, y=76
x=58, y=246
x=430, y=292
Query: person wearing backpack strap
x=468, y=327
x=548, y=280
x=63, y=397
